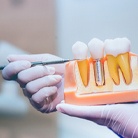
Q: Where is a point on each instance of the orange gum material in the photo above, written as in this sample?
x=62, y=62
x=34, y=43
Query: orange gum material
x=71, y=97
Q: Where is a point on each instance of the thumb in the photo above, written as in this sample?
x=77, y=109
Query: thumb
x=92, y=113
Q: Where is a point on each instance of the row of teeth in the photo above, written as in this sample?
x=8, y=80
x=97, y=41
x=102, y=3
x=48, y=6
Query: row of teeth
x=117, y=52
x=96, y=47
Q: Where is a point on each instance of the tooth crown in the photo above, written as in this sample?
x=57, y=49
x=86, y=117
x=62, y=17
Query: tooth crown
x=80, y=50
x=116, y=46
x=96, y=48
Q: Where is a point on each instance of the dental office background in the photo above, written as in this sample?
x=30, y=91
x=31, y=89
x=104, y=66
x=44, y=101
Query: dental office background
x=71, y=20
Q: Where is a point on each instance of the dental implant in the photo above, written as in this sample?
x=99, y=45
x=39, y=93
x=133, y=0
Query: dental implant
x=96, y=48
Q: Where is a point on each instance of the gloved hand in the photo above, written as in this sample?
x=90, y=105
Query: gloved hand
x=120, y=118
x=43, y=85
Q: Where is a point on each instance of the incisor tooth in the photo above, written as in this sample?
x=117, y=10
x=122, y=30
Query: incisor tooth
x=117, y=51
x=80, y=51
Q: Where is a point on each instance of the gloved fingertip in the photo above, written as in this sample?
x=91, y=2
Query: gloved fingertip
x=59, y=108
x=10, y=58
x=57, y=77
x=27, y=64
x=62, y=101
x=51, y=70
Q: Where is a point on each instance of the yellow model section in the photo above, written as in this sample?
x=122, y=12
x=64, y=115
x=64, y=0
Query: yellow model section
x=118, y=72
x=122, y=63
x=92, y=86
x=83, y=66
x=113, y=68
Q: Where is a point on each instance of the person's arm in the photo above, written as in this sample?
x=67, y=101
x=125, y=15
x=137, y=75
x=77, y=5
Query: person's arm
x=120, y=118
x=43, y=85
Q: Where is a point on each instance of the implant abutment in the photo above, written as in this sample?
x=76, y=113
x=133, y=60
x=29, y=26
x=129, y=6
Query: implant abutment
x=96, y=48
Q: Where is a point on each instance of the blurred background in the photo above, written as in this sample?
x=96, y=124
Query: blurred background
x=53, y=26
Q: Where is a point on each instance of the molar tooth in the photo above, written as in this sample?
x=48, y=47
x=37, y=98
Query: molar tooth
x=80, y=51
x=117, y=51
x=96, y=48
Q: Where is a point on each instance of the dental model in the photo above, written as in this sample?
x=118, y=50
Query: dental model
x=118, y=81
x=80, y=51
x=117, y=51
x=96, y=48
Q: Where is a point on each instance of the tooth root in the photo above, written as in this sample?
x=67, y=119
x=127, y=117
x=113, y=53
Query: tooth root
x=84, y=71
x=113, y=69
x=124, y=64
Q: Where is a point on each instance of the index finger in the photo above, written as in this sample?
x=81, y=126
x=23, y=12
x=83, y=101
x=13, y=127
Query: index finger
x=12, y=69
x=33, y=57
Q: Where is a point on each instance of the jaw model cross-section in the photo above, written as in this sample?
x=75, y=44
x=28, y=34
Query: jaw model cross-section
x=100, y=79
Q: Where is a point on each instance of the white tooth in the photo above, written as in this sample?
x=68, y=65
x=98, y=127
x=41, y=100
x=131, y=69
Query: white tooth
x=80, y=50
x=96, y=48
x=117, y=46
